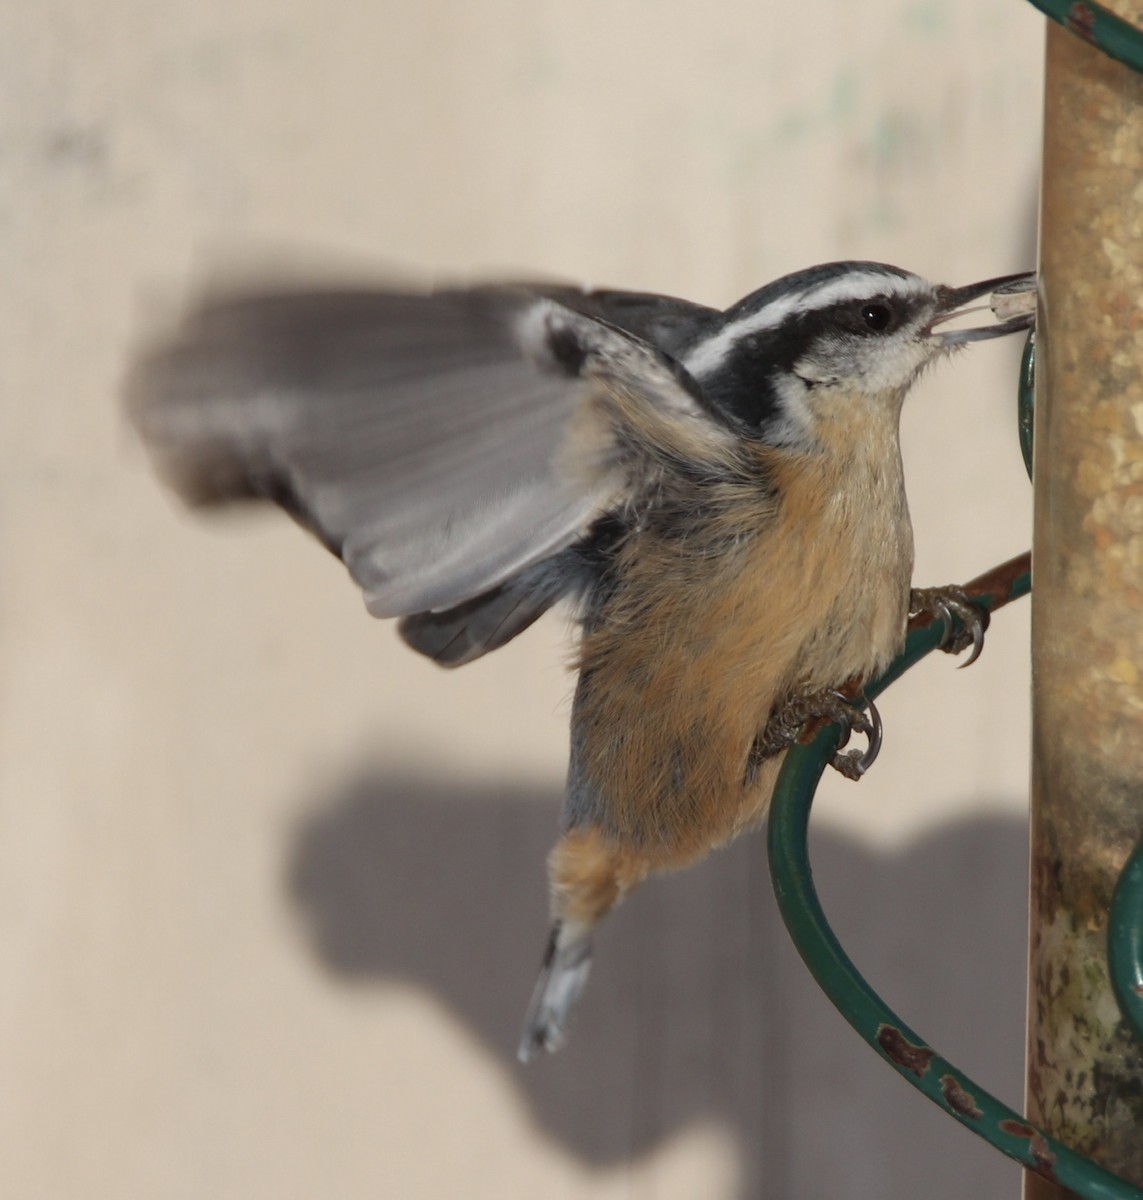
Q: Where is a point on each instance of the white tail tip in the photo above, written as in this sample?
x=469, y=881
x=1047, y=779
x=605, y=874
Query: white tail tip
x=563, y=975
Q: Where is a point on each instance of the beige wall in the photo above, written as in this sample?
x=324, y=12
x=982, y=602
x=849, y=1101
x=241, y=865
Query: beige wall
x=271, y=891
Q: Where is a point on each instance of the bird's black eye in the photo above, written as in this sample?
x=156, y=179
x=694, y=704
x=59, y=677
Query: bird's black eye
x=876, y=316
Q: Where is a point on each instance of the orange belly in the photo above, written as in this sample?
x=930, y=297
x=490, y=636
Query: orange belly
x=705, y=635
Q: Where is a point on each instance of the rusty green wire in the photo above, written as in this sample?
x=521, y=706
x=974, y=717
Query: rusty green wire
x=1099, y=26
x=1125, y=941
x=792, y=877
x=961, y=1097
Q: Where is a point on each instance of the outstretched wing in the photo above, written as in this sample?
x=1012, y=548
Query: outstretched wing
x=440, y=443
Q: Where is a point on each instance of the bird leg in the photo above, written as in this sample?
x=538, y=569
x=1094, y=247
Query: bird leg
x=947, y=602
x=787, y=721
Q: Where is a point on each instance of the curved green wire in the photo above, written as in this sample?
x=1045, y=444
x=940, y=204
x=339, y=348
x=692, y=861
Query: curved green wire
x=1125, y=941
x=873, y=1019
x=903, y=1049
x=1117, y=38
x=846, y=988
x=788, y=851
x=1026, y=400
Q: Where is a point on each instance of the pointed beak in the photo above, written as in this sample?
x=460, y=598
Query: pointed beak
x=1011, y=301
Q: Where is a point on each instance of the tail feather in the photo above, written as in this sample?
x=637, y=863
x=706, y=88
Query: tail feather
x=563, y=976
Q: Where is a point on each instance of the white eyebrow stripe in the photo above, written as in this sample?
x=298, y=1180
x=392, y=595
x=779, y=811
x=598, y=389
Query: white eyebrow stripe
x=708, y=355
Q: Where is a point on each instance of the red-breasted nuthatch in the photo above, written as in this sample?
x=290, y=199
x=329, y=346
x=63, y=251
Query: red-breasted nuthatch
x=719, y=492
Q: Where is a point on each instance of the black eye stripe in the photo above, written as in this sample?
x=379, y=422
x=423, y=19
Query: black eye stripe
x=786, y=342
x=871, y=315
x=830, y=338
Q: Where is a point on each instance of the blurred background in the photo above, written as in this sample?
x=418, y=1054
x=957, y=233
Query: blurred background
x=271, y=887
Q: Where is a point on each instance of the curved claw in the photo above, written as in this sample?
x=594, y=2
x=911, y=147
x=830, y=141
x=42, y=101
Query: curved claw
x=875, y=737
x=853, y=765
x=789, y=720
x=942, y=610
x=945, y=603
x=977, y=629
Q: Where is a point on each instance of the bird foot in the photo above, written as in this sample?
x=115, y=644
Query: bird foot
x=947, y=603
x=787, y=721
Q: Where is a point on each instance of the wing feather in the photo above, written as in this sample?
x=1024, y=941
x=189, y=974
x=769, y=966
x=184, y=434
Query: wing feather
x=439, y=443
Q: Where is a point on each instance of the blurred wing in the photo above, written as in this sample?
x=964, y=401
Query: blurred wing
x=439, y=444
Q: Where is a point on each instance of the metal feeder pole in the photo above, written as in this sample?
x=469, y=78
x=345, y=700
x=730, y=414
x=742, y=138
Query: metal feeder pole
x=1085, y=1069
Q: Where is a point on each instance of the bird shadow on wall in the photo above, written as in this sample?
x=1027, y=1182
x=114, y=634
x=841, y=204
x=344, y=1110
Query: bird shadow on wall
x=698, y=1009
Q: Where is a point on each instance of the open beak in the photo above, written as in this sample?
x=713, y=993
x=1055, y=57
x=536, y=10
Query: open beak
x=1011, y=301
